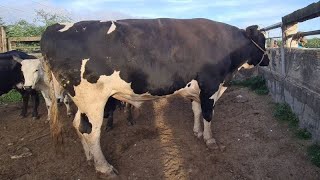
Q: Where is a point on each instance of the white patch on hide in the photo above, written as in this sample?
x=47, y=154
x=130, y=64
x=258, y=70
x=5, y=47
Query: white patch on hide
x=191, y=91
x=112, y=28
x=245, y=66
x=219, y=93
x=66, y=26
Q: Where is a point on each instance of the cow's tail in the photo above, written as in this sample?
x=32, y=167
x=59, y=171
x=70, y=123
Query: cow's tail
x=55, y=122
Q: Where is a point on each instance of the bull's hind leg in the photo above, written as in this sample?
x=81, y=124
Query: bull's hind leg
x=90, y=129
x=76, y=125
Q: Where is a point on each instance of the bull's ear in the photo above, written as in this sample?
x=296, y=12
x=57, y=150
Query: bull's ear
x=252, y=31
x=17, y=59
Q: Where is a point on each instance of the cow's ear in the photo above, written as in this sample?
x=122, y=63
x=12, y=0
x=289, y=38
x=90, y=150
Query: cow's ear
x=17, y=59
x=252, y=31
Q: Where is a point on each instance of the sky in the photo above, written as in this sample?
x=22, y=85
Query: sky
x=240, y=13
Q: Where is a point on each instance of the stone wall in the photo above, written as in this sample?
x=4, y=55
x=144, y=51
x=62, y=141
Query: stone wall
x=299, y=87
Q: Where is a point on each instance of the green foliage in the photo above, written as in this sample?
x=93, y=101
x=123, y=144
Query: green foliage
x=11, y=96
x=23, y=28
x=313, y=43
x=303, y=134
x=314, y=154
x=256, y=83
x=284, y=113
x=50, y=18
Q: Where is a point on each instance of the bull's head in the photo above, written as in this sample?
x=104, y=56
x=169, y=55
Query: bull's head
x=258, y=55
x=31, y=69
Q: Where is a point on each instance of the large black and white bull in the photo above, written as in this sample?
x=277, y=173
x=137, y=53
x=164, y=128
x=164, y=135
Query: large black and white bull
x=139, y=60
x=11, y=77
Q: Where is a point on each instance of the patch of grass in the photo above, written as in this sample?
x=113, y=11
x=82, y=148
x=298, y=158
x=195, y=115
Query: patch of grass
x=11, y=96
x=283, y=112
x=256, y=84
x=314, y=154
x=303, y=134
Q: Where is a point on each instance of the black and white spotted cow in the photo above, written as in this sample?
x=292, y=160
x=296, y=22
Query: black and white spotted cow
x=139, y=60
x=11, y=77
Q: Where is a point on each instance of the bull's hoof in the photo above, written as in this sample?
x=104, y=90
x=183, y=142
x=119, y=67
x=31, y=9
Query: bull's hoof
x=198, y=134
x=35, y=117
x=113, y=174
x=212, y=144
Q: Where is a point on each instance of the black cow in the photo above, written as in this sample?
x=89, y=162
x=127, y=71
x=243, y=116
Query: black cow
x=11, y=77
x=138, y=60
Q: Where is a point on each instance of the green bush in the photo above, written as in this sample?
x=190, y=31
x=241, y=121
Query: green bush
x=283, y=112
x=256, y=84
x=314, y=154
x=11, y=96
x=303, y=134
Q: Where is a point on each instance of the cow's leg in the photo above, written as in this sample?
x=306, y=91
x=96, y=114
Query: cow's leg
x=48, y=102
x=91, y=134
x=76, y=125
x=35, y=99
x=130, y=119
x=109, y=108
x=66, y=101
x=196, y=108
x=25, y=100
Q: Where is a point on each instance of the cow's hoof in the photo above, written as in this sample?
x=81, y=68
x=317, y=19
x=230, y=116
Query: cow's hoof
x=113, y=174
x=212, y=144
x=35, y=117
x=198, y=134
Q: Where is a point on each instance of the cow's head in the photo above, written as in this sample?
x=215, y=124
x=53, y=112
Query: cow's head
x=31, y=69
x=258, y=55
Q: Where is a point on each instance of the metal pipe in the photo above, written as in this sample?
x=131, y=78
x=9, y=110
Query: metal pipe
x=309, y=33
x=274, y=26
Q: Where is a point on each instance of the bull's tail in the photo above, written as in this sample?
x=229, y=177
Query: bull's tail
x=55, y=122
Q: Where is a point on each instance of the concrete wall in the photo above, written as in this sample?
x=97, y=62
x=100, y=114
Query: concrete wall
x=299, y=87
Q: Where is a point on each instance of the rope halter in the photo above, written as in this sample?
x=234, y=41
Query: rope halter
x=264, y=52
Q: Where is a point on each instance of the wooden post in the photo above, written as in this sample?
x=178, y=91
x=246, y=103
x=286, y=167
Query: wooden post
x=283, y=67
x=289, y=30
x=3, y=40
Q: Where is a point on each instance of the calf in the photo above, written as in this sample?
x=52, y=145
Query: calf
x=11, y=77
x=37, y=79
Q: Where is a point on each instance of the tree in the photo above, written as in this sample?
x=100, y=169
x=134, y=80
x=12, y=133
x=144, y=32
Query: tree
x=23, y=28
x=50, y=18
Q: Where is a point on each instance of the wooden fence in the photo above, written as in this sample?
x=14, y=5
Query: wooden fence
x=27, y=44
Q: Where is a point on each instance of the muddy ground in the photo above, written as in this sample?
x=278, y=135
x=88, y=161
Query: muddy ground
x=161, y=145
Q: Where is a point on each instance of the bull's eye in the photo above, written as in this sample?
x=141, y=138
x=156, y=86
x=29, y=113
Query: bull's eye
x=36, y=70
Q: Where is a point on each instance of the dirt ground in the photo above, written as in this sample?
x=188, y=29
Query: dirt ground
x=161, y=144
